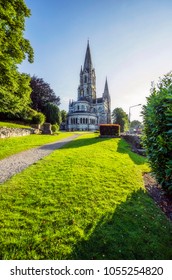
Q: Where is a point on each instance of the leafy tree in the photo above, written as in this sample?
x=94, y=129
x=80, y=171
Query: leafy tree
x=14, y=48
x=135, y=125
x=121, y=118
x=157, y=118
x=42, y=94
x=63, y=115
x=52, y=113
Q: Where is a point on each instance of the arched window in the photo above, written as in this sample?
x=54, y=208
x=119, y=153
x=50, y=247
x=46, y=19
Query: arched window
x=85, y=79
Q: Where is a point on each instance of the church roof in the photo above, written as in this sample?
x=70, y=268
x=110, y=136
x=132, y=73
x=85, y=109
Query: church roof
x=88, y=60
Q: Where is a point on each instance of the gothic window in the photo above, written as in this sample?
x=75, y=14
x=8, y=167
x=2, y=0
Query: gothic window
x=80, y=120
x=83, y=120
x=78, y=107
x=86, y=120
x=85, y=79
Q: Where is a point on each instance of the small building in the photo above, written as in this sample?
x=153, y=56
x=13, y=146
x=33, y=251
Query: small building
x=89, y=111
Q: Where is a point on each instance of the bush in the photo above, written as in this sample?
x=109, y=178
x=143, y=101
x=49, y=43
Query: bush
x=157, y=139
x=55, y=128
x=110, y=130
x=38, y=118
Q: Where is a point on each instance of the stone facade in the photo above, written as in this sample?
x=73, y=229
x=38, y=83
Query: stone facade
x=89, y=111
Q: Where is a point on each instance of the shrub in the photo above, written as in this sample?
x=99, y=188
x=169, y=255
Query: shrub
x=110, y=130
x=38, y=118
x=157, y=139
x=55, y=128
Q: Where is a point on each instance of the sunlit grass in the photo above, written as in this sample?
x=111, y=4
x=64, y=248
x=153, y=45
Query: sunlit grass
x=12, y=125
x=84, y=201
x=13, y=145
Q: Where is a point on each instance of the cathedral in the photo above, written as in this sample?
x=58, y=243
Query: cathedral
x=89, y=110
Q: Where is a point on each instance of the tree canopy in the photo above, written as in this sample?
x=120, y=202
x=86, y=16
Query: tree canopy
x=121, y=118
x=14, y=48
x=63, y=115
x=52, y=113
x=42, y=94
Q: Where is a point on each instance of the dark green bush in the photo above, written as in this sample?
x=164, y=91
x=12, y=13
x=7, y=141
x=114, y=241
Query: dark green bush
x=38, y=118
x=157, y=139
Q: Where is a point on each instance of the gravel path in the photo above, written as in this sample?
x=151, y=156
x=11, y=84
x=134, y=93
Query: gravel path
x=16, y=163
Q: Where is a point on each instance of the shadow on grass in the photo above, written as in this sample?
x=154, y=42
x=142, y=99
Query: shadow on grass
x=136, y=230
x=125, y=148
x=84, y=142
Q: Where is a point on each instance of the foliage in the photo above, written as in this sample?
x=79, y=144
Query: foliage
x=55, y=128
x=110, y=130
x=14, y=86
x=63, y=116
x=50, y=211
x=52, y=113
x=13, y=145
x=121, y=118
x=42, y=94
x=38, y=118
x=157, y=139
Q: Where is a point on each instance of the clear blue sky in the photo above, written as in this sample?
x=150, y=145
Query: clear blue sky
x=130, y=41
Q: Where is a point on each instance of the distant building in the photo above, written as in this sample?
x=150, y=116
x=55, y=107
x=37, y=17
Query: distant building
x=89, y=111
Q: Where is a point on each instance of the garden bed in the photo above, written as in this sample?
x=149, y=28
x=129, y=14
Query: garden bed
x=161, y=197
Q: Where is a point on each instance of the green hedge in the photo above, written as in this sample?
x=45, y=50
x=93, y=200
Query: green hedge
x=110, y=130
x=157, y=139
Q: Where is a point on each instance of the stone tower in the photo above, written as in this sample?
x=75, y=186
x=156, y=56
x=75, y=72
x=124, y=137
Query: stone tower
x=87, y=87
x=107, y=100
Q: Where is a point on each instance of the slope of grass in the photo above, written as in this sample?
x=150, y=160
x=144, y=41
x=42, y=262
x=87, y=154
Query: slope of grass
x=13, y=145
x=84, y=201
x=12, y=125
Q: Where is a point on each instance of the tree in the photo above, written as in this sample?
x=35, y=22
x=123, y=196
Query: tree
x=63, y=115
x=135, y=125
x=52, y=113
x=14, y=48
x=42, y=94
x=157, y=139
x=121, y=118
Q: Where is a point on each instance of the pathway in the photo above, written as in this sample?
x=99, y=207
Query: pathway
x=18, y=162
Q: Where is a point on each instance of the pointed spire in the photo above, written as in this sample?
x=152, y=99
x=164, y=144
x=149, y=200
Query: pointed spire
x=88, y=61
x=106, y=91
x=81, y=70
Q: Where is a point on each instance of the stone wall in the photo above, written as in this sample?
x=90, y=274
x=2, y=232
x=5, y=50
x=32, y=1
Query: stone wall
x=6, y=132
x=135, y=142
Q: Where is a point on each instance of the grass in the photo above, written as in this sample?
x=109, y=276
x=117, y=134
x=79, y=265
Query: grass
x=84, y=201
x=12, y=125
x=13, y=145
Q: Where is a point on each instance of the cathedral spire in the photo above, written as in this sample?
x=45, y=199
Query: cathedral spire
x=106, y=94
x=88, y=61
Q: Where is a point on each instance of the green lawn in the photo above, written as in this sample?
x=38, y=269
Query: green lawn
x=84, y=201
x=13, y=145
